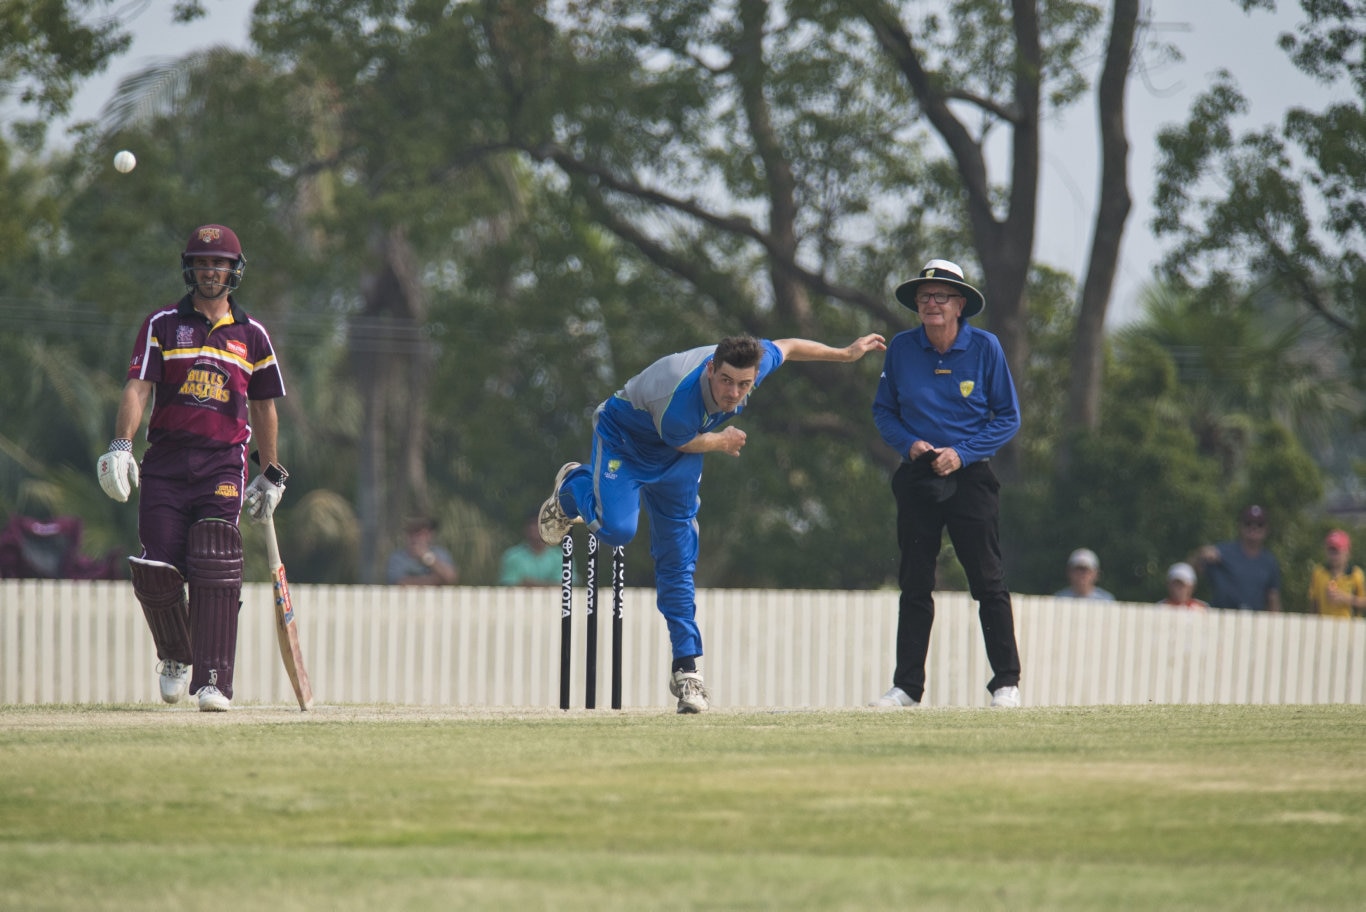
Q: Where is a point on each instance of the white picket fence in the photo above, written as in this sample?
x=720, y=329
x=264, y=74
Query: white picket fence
x=86, y=642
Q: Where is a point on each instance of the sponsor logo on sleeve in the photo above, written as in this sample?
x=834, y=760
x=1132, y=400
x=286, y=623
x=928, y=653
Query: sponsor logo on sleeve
x=226, y=489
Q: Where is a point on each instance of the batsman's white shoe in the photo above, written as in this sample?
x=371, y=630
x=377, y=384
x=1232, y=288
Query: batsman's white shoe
x=174, y=677
x=691, y=692
x=554, y=524
x=896, y=698
x=211, y=700
x=1006, y=697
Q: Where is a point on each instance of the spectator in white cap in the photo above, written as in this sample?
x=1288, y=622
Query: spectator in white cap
x=1181, y=588
x=1083, y=569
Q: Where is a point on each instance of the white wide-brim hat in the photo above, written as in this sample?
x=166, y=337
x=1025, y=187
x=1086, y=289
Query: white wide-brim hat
x=949, y=274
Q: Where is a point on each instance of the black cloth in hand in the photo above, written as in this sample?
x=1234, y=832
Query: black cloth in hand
x=926, y=483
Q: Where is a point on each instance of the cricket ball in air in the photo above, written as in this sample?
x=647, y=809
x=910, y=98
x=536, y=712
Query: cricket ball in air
x=125, y=161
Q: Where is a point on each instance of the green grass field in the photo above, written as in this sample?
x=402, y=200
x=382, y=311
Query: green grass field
x=365, y=808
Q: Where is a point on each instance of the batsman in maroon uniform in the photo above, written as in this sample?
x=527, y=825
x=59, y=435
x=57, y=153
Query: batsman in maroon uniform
x=211, y=374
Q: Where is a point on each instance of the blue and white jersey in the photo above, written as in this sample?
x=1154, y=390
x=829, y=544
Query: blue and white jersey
x=669, y=403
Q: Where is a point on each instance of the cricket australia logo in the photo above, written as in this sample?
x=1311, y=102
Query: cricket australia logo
x=613, y=466
x=966, y=387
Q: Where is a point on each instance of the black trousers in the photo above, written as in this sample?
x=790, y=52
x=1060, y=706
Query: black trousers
x=972, y=516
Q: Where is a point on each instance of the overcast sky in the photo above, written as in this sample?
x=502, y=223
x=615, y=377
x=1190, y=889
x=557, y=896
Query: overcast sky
x=1212, y=34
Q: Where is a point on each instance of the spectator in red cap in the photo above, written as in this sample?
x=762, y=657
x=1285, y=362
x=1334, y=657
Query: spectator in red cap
x=1336, y=587
x=1242, y=573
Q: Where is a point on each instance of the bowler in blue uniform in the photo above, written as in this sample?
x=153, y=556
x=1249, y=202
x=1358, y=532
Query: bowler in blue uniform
x=648, y=443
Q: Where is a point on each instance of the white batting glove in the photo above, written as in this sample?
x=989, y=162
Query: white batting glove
x=118, y=470
x=264, y=493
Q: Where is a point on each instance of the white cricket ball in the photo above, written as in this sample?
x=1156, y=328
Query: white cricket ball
x=125, y=161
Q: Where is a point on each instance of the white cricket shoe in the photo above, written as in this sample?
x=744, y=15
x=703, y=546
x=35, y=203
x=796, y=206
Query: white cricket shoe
x=174, y=677
x=896, y=698
x=554, y=524
x=211, y=700
x=1006, y=697
x=691, y=693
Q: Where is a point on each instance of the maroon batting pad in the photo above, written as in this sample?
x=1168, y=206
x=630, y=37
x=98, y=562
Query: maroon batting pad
x=160, y=589
x=213, y=554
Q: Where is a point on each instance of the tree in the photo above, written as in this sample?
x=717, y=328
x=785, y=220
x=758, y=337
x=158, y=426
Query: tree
x=783, y=112
x=1280, y=208
x=46, y=48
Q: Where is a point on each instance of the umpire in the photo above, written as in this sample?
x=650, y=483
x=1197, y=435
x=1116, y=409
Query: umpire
x=946, y=402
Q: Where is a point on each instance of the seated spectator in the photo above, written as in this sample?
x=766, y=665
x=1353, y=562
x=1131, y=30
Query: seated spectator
x=422, y=562
x=531, y=562
x=1083, y=569
x=1181, y=588
x=1337, y=588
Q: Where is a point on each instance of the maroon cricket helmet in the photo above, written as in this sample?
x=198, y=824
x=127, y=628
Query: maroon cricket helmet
x=213, y=241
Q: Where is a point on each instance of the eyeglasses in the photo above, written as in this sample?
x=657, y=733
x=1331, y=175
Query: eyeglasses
x=938, y=297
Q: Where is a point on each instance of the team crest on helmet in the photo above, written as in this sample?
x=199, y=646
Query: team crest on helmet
x=966, y=388
x=210, y=233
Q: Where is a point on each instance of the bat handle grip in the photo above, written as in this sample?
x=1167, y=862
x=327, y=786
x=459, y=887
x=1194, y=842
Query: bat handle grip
x=272, y=543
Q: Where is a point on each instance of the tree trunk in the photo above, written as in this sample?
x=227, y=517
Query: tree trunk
x=393, y=366
x=1088, y=344
x=1004, y=245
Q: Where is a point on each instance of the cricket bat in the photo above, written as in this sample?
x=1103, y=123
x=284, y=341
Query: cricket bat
x=286, y=629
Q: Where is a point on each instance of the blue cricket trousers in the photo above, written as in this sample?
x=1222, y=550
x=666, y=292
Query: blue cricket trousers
x=608, y=494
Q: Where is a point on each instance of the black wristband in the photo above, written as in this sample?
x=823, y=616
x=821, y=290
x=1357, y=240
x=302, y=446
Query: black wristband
x=276, y=475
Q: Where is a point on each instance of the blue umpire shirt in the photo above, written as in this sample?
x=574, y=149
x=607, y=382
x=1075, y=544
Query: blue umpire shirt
x=964, y=398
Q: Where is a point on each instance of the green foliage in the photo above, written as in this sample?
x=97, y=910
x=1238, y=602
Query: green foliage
x=1283, y=206
x=468, y=224
x=46, y=48
x=1138, y=492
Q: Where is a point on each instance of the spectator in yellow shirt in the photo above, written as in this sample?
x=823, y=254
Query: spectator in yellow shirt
x=1335, y=588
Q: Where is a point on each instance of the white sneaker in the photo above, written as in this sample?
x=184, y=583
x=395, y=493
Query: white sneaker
x=174, y=677
x=211, y=700
x=691, y=693
x=1006, y=697
x=554, y=524
x=896, y=698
